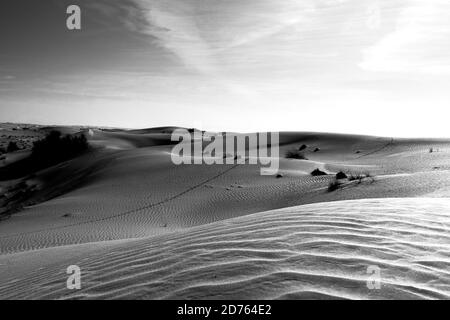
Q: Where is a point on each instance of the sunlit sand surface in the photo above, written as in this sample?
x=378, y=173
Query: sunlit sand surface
x=141, y=227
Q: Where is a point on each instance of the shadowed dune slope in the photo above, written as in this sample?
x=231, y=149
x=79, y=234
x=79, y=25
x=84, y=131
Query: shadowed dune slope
x=319, y=250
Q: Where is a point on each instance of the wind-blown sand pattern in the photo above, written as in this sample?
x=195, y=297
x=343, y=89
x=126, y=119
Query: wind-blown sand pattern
x=312, y=251
x=141, y=227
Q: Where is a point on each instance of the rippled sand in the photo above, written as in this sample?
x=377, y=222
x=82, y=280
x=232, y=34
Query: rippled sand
x=141, y=227
x=314, y=251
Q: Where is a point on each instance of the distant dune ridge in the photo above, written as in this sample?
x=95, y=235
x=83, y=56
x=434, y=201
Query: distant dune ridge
x=140, y=226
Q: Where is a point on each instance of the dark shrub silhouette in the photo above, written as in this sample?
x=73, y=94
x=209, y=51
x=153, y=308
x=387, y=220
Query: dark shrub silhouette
x=302, y=147
x=360, y=177
x=316, y=149
x=55, y=148
x=12, y=146
x=356, y=177
x=334, y=185
x=318, y=172
x=341, y=175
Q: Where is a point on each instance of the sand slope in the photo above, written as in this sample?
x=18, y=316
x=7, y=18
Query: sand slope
x=127, y=202
x=314, y=251
x=129, y=187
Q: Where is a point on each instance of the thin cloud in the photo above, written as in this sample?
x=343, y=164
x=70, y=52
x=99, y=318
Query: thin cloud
x=419, y=43
x=174, y=27
x=198, y=32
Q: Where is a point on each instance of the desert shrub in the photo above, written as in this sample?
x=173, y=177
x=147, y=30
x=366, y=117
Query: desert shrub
x=341, y=175
x=368, y=175
x=55, y=147
x=51, y=150
x=334, y=185
x=318, y=172
x=295, y=154
x=360, y=177
x=353, y=177
x=12, y=146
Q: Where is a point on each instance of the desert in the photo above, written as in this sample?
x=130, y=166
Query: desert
x=140, y=226
x=238, y=151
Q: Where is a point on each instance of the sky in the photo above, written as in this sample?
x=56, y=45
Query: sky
x=378, y=67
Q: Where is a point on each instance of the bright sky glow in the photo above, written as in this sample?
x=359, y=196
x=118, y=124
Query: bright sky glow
x=358, y=66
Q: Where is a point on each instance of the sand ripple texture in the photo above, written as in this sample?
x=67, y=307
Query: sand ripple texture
x=318, y=251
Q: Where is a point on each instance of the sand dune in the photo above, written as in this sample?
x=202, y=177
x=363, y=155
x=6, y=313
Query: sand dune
x=313, y=251
x=126, y=193
x=134, y=191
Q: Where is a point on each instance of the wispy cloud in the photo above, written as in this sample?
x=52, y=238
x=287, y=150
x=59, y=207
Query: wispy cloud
x=419, y=43
x=174, y=27
x=198, y=32
x=146, y=60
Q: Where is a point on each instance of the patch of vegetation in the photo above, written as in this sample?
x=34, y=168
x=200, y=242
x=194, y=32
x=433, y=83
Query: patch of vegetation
x=334, y=185
x=354, y=177
x=318, y=172
x=12, y=146
x=350, y=177
x=51, y=150
x=341, y=175
x=55, y=148
x=295, y=154
x=359, y=177
x=302, y=147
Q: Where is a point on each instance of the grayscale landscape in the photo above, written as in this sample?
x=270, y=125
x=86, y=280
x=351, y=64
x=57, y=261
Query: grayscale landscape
x=141, y=227
x=224, y=150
